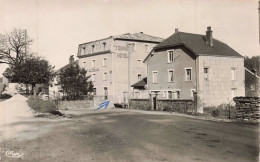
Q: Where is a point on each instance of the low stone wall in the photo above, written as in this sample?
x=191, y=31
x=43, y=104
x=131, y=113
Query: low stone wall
x=181, y=106
x=247, y=107
x=62, y=105
x=140, y=104
x=176, y=105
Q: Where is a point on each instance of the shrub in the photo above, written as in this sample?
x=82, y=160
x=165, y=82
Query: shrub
x=5, y=96
x=41, y=106
x=221, y=111
x=215, y=113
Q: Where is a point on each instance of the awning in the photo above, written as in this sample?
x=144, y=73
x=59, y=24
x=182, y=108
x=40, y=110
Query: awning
x=141, y=84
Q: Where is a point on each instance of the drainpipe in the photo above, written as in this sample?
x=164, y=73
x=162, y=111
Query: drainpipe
x=129, y=71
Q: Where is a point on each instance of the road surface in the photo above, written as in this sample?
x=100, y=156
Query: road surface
x=124, y=135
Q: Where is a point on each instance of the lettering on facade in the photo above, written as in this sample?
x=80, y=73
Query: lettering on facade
x=93, y=69
x=122, y=55
x=120, y=48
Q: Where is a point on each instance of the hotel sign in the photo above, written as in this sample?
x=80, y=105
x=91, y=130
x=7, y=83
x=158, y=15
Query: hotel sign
x=93, y=69
x=120, y=48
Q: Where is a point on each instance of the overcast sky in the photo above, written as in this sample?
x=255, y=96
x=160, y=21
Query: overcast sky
x=58, y=26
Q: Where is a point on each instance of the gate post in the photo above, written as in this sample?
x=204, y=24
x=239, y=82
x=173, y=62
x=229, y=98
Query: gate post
x=198, y=106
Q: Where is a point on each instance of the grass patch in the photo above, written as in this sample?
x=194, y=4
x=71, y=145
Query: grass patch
x=41, y=106
x=223, y=111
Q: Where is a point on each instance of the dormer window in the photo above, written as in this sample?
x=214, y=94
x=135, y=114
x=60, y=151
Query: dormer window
x=170, y=56
x=93, y=48
x=83, y=50
x=104, y=46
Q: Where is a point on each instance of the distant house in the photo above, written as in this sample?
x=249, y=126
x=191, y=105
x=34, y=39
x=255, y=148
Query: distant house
x=55, y=89
x=139, y=89
x=187, y=62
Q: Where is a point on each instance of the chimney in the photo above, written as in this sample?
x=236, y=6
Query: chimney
x=71, y=59
x=209, y=38
x=176, y=30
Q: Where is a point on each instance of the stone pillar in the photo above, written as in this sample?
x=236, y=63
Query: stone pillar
x=155, y=102
x=198, y=104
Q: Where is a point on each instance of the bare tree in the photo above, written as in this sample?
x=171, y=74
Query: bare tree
x=13, y=46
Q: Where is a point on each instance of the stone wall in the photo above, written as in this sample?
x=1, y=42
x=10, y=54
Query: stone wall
x=181, y=106
x=247, y=107
x=62, y=105
x=140, y=104
x=173, y=105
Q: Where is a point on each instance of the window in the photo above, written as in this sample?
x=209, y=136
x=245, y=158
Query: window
x=93, y=77
x=170, y=56
x=139, y=63
x=206, y=73
x=104, y=45
x=178, y=95
x=93, y=63
x=105, y=76
x=164, y=94
x=146, y=48
x=155, y=75
x=94, y=91
x=191, y=92
x=233, y=92
x=188, y=74
x=169, y=94
x=170, y=75
x=139, y=77
x=233, y=74
x=105, y=61
x=93, y=48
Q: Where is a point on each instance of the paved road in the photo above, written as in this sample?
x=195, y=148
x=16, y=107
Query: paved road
x=120, y=135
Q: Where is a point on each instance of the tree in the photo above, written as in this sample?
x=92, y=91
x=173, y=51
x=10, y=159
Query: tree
x=253, y=63
x=13, y=47
x=252, y=83
x=74, y=81
x=31, y=70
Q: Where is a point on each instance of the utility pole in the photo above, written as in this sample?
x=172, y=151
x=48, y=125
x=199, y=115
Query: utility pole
x=129, y=45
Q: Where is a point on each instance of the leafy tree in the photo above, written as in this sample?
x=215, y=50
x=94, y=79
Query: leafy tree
x=32, y=70
x=13, y=46
x=74, y=81
x=253, y=63
x=252, y=83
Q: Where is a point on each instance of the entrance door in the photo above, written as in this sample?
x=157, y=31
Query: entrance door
x=105, y=93
x=154, y=103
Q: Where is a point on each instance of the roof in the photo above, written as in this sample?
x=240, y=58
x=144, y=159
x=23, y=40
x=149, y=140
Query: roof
x=138, y=37
x=197, y=44
x=64, y=67
x=134, y=37
x=140, y=84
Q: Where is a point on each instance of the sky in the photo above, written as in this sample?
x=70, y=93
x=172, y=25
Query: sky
x=59, y=26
